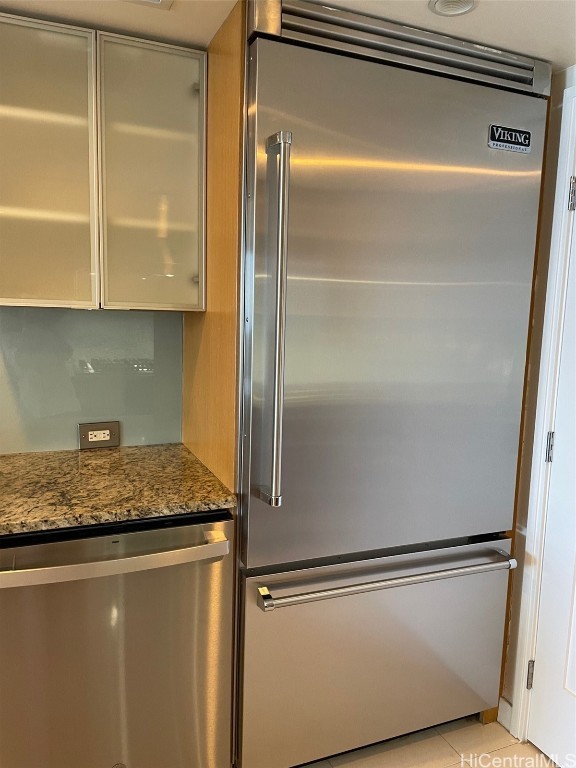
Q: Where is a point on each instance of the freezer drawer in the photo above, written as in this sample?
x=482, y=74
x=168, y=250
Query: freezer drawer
x=339, y=657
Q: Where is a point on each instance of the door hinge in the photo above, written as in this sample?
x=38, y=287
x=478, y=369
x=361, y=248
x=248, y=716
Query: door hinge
x=549, y=447
x=572, y=194
x=530, y=676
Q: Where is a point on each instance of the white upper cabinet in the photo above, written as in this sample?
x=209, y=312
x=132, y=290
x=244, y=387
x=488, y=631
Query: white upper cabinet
x=152, y=148
x=101, y=170
x=48, y=254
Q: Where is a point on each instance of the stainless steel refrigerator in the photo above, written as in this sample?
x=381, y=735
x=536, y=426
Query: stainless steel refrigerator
x=393, y=182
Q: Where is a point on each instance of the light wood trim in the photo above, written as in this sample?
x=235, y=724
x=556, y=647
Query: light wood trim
x=489, y=716
x=210, y=353
x=528, y=413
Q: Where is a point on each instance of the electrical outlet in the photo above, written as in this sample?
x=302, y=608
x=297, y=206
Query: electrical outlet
x=100, y=434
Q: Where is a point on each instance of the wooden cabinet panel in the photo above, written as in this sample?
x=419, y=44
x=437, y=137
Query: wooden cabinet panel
x=211, y=339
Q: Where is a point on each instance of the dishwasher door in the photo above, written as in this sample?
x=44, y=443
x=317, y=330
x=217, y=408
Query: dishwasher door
x=338, y=657
x=117, y=650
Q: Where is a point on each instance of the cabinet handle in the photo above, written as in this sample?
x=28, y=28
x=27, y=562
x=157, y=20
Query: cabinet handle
x=216, y=547
x=279, y=143
x=267, y=602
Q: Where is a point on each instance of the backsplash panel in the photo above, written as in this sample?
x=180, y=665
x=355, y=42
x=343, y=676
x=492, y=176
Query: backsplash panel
x=59, y=367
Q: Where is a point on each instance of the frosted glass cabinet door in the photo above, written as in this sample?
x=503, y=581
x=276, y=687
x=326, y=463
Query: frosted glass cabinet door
x=47, y=242
x=152, y=132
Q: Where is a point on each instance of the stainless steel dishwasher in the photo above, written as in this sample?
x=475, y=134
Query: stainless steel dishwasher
x=116, y=650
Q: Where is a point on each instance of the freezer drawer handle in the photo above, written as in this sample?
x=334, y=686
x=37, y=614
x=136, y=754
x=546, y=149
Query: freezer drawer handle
x=267, y=602
x=279, y=143
x=216, y=548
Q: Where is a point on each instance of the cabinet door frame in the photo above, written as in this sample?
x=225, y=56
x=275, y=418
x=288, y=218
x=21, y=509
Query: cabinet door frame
x=201, y=57
x=90, y=36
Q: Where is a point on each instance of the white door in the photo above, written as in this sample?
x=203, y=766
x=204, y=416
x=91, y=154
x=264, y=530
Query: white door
x=552, y=723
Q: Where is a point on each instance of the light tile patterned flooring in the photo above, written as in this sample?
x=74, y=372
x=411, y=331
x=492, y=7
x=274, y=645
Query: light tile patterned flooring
x=464, y=743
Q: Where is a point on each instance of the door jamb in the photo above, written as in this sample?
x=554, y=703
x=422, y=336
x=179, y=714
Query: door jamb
x=563, y=240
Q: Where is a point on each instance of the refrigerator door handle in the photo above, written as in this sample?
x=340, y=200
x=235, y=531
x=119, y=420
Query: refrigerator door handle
x=279, y=143
x=216, y=547
x=267, y=602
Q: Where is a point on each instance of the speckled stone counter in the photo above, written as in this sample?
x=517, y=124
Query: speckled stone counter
x=61, y=489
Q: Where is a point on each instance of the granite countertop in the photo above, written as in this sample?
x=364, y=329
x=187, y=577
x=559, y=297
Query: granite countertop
x=61, y=489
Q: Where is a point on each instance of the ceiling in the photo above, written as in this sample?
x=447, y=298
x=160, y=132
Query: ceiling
x=192, y=22
x=540, y=28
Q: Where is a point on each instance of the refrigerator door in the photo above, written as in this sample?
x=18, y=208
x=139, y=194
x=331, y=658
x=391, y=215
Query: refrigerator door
x=409, y=247
x=357, y=654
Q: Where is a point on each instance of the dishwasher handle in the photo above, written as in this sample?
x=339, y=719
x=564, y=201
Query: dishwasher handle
x=216, y=547
x=267, y=602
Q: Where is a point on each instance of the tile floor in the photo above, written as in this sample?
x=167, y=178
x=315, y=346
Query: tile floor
x=462, y=743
